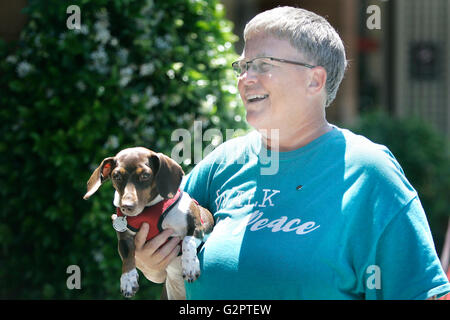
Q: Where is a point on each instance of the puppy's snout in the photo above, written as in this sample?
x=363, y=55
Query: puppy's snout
x=127, y=208
x=129, y=200
x=128, y=204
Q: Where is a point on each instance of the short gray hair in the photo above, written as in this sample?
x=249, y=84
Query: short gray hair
x=309, y=33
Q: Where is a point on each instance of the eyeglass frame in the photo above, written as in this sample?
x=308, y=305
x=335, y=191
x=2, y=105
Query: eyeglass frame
x=247, y=63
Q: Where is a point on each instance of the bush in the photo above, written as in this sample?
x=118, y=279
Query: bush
x=423, y=155
x=134, y=72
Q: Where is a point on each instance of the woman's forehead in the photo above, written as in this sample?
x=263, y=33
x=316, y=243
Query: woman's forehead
x=268, y=46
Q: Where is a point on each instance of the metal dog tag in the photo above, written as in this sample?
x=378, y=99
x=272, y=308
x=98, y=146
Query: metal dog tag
x=120, y=224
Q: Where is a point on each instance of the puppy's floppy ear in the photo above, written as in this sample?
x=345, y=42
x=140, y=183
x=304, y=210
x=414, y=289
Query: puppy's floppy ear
x=168, y=174
x=100, y=175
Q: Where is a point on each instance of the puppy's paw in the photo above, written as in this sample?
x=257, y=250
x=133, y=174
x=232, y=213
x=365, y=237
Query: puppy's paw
x=189, y=260
x=191, y=268
x=129, y=283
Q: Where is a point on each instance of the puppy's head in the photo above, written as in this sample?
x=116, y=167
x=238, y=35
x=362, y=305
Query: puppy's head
x=139, y=175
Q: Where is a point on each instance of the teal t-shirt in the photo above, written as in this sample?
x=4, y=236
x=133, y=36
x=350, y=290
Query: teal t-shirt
x=335, y=219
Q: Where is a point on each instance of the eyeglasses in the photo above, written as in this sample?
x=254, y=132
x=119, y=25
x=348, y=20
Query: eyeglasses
x=262, y=65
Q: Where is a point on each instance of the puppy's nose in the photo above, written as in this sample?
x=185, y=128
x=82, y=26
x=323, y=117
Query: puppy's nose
x=127, y=208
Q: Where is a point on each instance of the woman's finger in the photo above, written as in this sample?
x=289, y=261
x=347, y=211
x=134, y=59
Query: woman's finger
x=155, y=243
x=141, y=236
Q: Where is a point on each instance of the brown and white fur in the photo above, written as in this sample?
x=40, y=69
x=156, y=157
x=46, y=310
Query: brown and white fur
x=141, y=178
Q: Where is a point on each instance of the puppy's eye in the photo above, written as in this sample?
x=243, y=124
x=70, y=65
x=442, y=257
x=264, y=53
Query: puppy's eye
x=117, y=177
x=145, y=176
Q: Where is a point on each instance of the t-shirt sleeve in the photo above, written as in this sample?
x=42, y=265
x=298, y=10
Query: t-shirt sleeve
x=197, y=183
x=406, y=265
x=203, y=181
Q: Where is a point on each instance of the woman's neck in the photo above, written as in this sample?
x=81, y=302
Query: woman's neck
x=287, y=140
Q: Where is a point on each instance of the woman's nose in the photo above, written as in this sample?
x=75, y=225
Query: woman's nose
x=249, y=77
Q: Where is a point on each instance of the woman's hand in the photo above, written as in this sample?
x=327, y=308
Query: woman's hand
x=153, y=257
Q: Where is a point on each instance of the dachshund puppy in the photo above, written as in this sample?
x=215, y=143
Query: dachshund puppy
x=147, y=190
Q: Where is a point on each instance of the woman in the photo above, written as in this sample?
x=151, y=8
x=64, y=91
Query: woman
x=333, y=218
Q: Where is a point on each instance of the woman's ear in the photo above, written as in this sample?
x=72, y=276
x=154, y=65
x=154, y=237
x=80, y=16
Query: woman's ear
x=317, y=79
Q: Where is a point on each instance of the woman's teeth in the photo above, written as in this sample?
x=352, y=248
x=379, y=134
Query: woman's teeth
x=256, y=97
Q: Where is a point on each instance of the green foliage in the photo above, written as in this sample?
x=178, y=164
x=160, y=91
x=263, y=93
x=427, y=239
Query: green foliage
x=423, y=155
x=133, y=73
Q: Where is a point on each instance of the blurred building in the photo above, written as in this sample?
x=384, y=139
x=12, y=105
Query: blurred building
x=401, y=65
x=11, y=19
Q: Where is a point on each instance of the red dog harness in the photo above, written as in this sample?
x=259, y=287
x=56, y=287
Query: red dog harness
x=153, y=215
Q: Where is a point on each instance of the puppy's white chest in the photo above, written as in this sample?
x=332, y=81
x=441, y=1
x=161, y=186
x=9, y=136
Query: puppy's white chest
x=177, y=217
